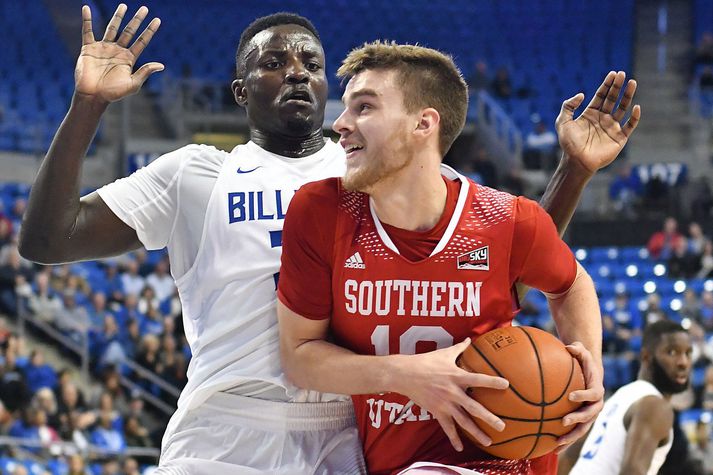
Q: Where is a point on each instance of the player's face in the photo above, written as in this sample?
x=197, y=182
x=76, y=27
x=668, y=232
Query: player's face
x=285, y=86
x=375, y=129
x=672, y=363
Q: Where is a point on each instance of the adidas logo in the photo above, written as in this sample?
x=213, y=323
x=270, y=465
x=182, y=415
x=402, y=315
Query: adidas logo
x=355, y=262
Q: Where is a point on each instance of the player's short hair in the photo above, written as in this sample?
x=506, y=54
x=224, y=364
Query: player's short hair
x=654, y=332
x=263, y=23
x=430, y=79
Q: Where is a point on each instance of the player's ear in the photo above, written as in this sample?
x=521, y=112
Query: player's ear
x=240, y=92
x=428, y=121
x=645, y=355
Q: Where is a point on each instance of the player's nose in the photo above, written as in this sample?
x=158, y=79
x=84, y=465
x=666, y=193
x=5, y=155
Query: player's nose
x=342, y=125
x=296, y=72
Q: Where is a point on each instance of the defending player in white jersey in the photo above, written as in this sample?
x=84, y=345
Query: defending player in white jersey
x=220, y=215
x=633, y=433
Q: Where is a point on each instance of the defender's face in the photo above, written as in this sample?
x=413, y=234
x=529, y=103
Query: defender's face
x=375, y=129
x=672, y=362
x=285, y=86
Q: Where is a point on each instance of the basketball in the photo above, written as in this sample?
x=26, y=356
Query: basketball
x=541, y=372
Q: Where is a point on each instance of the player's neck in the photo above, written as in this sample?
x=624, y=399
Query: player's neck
x=413, y=199
x=293, y=147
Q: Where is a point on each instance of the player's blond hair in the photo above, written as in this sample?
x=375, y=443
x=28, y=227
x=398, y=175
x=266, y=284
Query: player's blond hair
x=429, y=77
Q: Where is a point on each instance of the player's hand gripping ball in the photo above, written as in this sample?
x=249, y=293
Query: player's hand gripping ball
x=541, y=372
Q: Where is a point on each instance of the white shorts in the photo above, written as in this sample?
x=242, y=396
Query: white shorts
x=432, y=468
x=230, y=434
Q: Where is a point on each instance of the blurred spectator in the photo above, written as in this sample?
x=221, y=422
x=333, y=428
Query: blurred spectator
x=45, y=399
x=110, y=467
x=540, y=151
x=5, y=231
x=19, y=469
x=136, y=435
x=13, y=389
x=131, y=339
x=696, y=239
x=6, y=419
x=691, y=307
x=161, y=281
x=484, y=166
x=130, y=466
x=172, y=365
x=76, y=465
x=707, y=310
x=682, y=264
x=625, y=191
x=704, y=50
x=72, y=319
x=106, y=436
x=33, y=426
x=18, y=209
x=107, y=347
x=38, y=374
x=480, y=77
x=131, y=281
x=661, y=243
x=653, y=312
x=43, y=302
x=701, y=448
x=111, y=384
x=12, y=275
x=148, y=356
x=97, y=310
x=501, y=86
x=707, y=397
x=706, y=261
x=153, y=322
x=148, y=300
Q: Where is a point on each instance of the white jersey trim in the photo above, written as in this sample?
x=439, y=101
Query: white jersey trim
x=449, y=173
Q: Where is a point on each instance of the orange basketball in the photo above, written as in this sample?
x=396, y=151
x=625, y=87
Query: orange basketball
x=541, y=372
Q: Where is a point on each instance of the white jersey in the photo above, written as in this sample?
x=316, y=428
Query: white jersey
x=221, y=216
x=603, y=450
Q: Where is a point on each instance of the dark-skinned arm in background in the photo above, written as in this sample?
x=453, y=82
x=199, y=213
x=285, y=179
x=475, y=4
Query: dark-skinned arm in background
x=58, y=225
x=589, y=143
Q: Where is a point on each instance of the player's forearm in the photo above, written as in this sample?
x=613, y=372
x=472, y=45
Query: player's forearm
x=324, y=366
x=564, y=191
x=577, y=316
x=53, y=206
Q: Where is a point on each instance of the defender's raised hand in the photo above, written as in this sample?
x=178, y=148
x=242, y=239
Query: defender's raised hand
x=595, y=138
x=105, y=68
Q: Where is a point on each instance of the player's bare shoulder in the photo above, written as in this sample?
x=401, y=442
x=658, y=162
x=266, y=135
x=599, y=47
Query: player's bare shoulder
x=654, y=412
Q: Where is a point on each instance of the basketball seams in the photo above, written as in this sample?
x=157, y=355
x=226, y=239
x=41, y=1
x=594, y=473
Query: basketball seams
x=548, y=427
x=542, y=390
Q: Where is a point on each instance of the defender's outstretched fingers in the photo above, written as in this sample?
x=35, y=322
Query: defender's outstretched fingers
x=132, y=27
x=602, y=90
x=568, y=107
x=626, y=100
x=145, y=38
x=112, y=29
x=87, y=32
x=613, y=93
x=633, y=121
x=143, y=73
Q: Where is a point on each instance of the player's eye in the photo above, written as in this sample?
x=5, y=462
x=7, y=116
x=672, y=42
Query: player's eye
x=313, y=66
x=364, y=107
x=272, y=64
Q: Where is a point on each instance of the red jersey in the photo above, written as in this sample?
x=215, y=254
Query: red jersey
x=340, y=262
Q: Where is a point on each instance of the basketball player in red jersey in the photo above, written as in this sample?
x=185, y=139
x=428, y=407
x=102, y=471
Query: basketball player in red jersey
x=385, y=270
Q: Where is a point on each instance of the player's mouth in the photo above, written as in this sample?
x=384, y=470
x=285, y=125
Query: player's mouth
x=352, y=149
x=298, y=97
x=682, y=378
